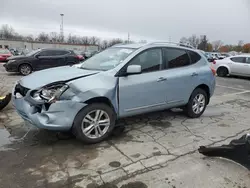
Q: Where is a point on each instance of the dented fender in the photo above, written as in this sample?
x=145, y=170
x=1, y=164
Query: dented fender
x=84, y=89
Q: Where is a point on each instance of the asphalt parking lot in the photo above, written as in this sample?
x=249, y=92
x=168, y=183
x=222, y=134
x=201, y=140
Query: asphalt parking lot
x=156, y=150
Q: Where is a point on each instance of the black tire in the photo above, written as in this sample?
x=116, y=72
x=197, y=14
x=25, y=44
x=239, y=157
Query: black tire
x=27, y=67
x=189, y=107
x=5, y=101
x=222, y=71
x=77, y=129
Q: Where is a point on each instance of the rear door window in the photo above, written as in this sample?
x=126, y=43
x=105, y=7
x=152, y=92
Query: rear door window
x=175, y=58
x=62, y=52
x=238, y=59
x=47, y=53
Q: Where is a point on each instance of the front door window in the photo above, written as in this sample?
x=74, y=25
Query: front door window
x=150, y=60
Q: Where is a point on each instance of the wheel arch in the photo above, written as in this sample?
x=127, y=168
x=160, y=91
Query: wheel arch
x=206, y=89
x=101, y=99
x=224, y=66
x=25, y=63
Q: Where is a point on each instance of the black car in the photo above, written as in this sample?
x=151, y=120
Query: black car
x=41, y=59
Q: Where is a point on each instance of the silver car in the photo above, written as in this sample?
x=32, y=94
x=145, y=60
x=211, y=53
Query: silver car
x=121, y=81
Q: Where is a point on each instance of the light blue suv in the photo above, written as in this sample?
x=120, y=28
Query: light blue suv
x=121, y=81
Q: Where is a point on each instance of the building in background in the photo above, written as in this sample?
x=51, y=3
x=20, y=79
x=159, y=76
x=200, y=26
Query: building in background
x=23, y=45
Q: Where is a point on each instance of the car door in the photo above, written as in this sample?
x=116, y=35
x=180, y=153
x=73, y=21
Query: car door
x=182, y=77
x=62, y=58
x=143, y=92
x=48, y=59
x=238, y=65
x=70, y=58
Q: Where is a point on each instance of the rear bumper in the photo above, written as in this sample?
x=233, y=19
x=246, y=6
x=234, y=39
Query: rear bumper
x=59, y=116
x=3, y=59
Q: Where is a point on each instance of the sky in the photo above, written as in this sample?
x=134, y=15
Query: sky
x=226, y=20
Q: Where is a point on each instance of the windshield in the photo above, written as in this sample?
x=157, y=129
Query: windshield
x=33, y=52
x=108, y=59
x=4, y=51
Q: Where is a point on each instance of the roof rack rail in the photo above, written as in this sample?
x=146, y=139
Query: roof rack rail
x=179, y=44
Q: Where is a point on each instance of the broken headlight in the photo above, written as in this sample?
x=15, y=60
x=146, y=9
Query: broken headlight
x=51, y=93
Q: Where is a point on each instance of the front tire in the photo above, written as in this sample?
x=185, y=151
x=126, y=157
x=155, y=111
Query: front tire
x=25, y=69
x=197, y=103
x=94, y=123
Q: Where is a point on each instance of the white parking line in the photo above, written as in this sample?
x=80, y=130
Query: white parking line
x=232, y=88
x=238, y=93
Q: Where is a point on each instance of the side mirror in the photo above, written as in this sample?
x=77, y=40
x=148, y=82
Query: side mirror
x=37, y=56
x=134, y=69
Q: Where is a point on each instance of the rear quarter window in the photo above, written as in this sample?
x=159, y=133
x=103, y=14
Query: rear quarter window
x=194, y=57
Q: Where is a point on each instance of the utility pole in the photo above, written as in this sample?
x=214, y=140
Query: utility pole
x=128, y=37
x=61, y=28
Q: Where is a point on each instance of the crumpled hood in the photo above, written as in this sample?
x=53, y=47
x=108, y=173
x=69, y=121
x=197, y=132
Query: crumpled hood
x=47, y=76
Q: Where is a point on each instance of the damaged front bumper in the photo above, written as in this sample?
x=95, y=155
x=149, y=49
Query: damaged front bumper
x=58, y=116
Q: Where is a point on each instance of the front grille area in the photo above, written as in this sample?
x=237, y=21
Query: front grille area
x=20, y=89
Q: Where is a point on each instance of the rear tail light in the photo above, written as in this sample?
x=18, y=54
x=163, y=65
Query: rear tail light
x=213, y=71
x=79, y=57
x=214, y=62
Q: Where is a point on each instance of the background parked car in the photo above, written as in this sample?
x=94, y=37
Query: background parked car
x=4, y=54
x=235, y=65
x=79, y=54
x=225, y=55
x=41, y=59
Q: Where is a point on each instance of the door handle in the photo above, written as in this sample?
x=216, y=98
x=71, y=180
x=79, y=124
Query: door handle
x=161, y=79
x=194, y=74
x=245, y=65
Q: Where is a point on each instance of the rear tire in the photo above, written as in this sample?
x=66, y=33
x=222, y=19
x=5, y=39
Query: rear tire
x=222, y=71
x=197, y=103
x=25, y=69
x=94, y=123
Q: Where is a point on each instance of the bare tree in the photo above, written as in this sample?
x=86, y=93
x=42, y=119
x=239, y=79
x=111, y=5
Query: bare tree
x=7, y=32
x=85, y=40
x=104, y=44
x=115, y=41
x=43, y=37
x=54, y=37
x=217, y=44
x=69, y=39
x=194, y=41
x=29, y=38
x=94, y=40
x=183, y=40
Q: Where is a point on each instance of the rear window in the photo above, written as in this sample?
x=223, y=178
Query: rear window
x=4, y=51
x=195, y=57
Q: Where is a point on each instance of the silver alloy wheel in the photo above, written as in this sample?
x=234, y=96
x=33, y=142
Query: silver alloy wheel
x=25, y=69
x=198, y=103
x=95, y=124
